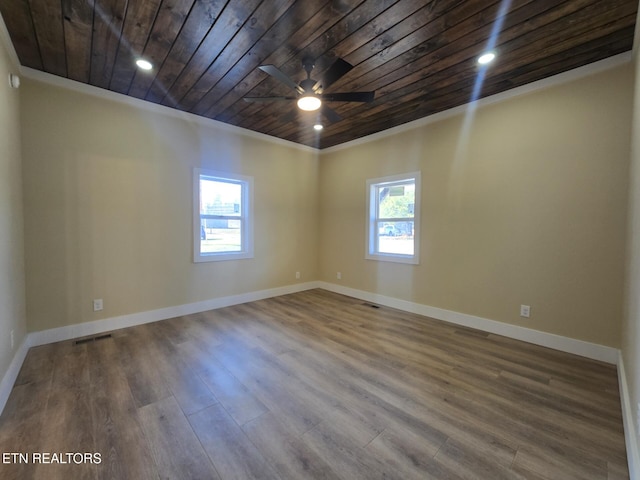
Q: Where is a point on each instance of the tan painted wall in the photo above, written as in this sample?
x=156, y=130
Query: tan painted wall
x=631, y=324
x=108, y=209
x=531, y=211
x=527, y=207
x=12, y=290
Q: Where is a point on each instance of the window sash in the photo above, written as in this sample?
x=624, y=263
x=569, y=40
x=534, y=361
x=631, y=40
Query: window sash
x=374, y=186
x=243, y=217
x=380, y=186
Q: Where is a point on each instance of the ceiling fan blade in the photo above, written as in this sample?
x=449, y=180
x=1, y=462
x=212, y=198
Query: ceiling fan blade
x=330, y=113
x=335, y=72
x=266, y=99
x=276, y=73
x=348, y=97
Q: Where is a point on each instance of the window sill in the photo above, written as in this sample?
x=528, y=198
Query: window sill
x=389, y=257
x=220, y=257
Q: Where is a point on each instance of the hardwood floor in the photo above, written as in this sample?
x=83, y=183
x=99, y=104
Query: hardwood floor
x=313, y=385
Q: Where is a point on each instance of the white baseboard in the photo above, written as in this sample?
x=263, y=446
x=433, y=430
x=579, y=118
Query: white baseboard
x=586, y=349
x=9, y=378
x=557, y=342
x=68, y=332
x=633, y=453
x=44, y=337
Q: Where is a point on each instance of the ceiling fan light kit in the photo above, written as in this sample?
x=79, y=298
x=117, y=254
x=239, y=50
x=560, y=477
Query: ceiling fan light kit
x=309, y=103
x=310, y=93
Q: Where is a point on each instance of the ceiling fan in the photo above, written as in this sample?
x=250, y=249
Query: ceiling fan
x=310, y=93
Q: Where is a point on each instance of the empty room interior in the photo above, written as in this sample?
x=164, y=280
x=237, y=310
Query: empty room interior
x=344, y=239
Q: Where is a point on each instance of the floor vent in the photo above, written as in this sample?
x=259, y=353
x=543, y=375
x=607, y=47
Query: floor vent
x=371, y=305
x=92, y=339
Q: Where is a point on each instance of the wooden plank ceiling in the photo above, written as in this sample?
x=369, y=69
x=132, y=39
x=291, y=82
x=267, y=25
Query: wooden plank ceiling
x=418, y=55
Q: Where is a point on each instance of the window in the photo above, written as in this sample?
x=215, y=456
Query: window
x=222, y=216
x=393, y=218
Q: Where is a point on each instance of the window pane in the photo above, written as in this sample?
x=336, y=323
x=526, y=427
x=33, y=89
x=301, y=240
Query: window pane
x=396, y=201
x=395, y=237
x=220, y=198
x=218, y=236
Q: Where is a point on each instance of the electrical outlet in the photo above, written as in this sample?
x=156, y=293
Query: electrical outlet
x=525, y=311
x=339, y=275
x=97, y=305
x=11, y=339
x=297, y=275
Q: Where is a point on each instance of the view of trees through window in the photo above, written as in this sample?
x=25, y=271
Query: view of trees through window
x=395, y=211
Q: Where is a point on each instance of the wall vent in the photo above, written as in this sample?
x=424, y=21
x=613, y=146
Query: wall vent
x=92, y=339
x=371, y=305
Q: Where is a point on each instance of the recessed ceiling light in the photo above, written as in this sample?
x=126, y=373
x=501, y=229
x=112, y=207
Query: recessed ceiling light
x=318, y=127
x=486, y=58
x=144, y=64
x=309, y=103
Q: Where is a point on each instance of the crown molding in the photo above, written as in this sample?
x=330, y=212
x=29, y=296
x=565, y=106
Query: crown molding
x=79, y=87
x=565, y=77
x=559, y=79
x=5, y=40
x=636, y=34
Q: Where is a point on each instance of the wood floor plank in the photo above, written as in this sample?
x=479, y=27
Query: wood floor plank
x=617, y=472
x=315, y=385
x=137, y=360
x=38, y=365
x=175, y=447
x=230, y=450
x=298, y=408
x=21, y=425
x=187, y=387
x=116, y=428
x=241, y=404
x=238, y=401
x=354, y=425
x=333, y=443
x=469, y=463
x=546, y=463
x=289, y=455
x=71, y=366
x=404, y=452
x=66, y=429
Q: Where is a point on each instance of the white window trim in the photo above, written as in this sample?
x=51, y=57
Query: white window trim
x=247, y=215
x=371, y=236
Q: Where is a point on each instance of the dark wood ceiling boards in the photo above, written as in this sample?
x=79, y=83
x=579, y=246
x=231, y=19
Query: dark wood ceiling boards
x=419, y=56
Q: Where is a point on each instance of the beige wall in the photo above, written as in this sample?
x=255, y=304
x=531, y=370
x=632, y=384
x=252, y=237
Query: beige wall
x=108, y=209
x=631, y=323
x=12, y=296
x=527, y=207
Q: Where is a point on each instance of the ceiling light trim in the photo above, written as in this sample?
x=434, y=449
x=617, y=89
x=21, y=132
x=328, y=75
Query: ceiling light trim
x=143, y=64
x=486, y=58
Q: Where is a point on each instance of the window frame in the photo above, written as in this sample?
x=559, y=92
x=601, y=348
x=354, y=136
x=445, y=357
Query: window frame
x=372, y=235
x=246, y=216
